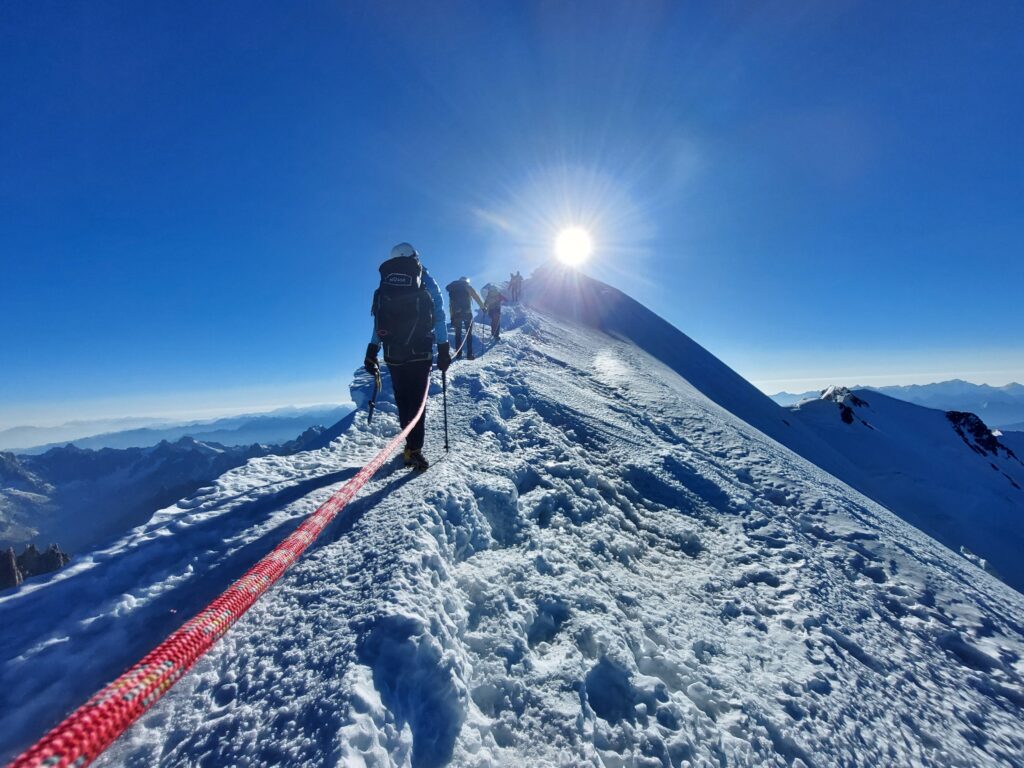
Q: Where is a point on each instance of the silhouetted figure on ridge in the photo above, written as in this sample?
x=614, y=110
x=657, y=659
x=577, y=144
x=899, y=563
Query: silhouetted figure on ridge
x=515, y=287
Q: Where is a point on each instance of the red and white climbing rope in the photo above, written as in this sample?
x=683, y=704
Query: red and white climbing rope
x=96, y=724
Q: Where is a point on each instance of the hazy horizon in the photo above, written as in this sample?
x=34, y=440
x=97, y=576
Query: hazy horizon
x=108, y=412
x=799, y=386
x=154, y=415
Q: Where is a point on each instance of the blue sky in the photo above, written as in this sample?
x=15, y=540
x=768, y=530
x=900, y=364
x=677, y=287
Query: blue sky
x=194, y=197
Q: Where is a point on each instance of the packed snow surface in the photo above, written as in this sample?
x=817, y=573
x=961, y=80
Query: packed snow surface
x=608, y=569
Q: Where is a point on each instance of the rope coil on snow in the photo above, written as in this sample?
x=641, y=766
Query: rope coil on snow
x=94, y=726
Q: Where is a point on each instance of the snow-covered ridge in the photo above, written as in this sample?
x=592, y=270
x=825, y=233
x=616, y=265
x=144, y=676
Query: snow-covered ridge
x=610, y=568
x=1001, y=407
x=946, y=473
x=846, y=401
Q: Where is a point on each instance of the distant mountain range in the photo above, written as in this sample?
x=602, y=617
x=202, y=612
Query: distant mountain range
x=81, y=497
x=1001, y=407
x=17, y=439
x=271, y=427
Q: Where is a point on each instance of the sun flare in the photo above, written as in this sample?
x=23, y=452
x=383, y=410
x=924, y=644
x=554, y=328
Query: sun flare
x=573, y=246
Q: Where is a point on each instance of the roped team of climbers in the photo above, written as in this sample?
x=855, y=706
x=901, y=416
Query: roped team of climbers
x=493, y=299
x=409, y=321
x=460, y=294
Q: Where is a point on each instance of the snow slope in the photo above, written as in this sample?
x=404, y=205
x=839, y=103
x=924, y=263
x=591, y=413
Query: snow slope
x=610, y=568
x=997, y=406
x=931, y=470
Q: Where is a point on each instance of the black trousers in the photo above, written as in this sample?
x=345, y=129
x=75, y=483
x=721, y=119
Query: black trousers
x=495, y=313
x=460, y=320
x=409, y=381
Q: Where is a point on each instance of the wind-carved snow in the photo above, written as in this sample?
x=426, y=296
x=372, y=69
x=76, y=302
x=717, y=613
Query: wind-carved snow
x=607, y=569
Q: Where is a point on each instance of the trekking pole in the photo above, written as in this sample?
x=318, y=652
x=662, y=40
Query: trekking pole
x=373, y=400
x=444, y=399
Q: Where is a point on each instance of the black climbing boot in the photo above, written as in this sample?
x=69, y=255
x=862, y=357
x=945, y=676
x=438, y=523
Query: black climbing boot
x=416, y=460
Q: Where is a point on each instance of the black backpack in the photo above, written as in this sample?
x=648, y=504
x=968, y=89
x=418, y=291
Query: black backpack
x=458, y=293
x=403, y=311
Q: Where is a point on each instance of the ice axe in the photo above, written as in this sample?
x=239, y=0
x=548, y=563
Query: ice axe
x=373, y=400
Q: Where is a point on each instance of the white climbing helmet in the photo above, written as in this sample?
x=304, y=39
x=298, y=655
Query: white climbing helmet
x=403, y=249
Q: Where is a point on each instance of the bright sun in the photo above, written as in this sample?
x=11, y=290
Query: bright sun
x=573, y=246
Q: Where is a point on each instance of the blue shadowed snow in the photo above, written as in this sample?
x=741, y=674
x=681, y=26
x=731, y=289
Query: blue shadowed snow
x=931, y=471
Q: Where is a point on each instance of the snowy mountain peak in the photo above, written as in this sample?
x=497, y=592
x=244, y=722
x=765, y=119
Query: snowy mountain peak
x=847, y=402
x=843, y=396
x=946, y=473
x=998, y=406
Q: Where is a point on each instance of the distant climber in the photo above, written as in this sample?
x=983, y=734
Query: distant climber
x=408, y=319
x=515, y=287
x=493, y=299
x=460, y=296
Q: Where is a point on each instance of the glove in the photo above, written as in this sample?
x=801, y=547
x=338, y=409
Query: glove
x=370, y=362
x=444, y=356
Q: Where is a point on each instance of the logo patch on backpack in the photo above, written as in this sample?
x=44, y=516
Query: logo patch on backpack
x=399, y=280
